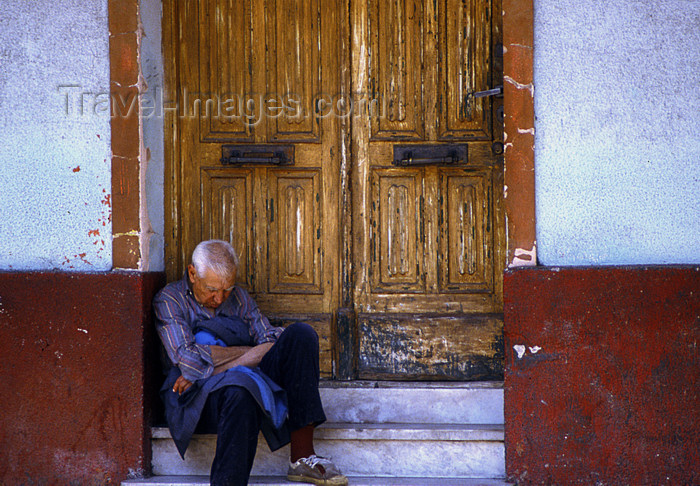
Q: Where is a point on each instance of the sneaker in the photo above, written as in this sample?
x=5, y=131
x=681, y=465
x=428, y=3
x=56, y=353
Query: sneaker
x=309, y=470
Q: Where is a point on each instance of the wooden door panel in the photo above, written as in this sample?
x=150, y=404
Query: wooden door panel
x=295, y=232
x=434, y=347
x=226, y=84
x=249, y=72
x=243, y=99
x=396, y=231
x=464, y=39
x=429, y=300
x=395, y=67
x=428, y=60
x=293, y=69
x=466, y=249
x=227, y=214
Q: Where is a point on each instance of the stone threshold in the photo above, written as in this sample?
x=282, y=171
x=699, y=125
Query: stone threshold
x=388, y=431
x=453, y=385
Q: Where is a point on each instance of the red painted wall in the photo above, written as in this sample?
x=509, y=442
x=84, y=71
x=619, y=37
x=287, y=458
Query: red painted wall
x=77, y=390
x=613, y=395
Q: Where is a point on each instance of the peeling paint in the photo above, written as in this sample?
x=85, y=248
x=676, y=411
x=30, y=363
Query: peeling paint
x=420, y=346
x=520, y=349
x=534, y=349
x=128, y=233
x=530, y=131
x=82, y=258
x=529, y=86
x=517, y=45
x=524, y=257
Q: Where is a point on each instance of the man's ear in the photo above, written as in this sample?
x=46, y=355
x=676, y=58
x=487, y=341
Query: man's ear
x=191, y=272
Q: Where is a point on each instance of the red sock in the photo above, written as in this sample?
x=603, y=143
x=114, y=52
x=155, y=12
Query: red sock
x=302, y=443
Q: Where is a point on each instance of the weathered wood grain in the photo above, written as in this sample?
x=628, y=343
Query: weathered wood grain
x=410, y=346
x=342, y=233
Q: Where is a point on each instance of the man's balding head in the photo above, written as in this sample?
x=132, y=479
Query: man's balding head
x=217, y=256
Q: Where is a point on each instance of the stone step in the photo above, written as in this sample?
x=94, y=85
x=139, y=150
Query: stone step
x=389, y=431
x=411, y=402
x=354, y=481
x=376, y=450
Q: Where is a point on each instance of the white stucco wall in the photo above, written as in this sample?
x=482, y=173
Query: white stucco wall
x=55, y=210
x=617, y=131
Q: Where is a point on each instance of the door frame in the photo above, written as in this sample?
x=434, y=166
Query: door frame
x=519, y=132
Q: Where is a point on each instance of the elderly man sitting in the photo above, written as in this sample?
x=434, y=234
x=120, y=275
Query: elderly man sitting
x=239, y=375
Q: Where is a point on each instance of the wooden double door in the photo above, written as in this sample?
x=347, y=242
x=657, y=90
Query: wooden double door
x=341, y=149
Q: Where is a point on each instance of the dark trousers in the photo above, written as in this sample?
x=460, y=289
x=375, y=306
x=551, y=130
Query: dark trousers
x=233, y=414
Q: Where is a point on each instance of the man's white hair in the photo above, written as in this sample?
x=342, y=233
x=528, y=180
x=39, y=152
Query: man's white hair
x=217, y=256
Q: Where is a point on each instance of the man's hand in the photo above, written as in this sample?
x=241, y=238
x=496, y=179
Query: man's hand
x=181, y=385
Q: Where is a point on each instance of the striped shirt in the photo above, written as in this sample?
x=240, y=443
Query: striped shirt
x=177, y=311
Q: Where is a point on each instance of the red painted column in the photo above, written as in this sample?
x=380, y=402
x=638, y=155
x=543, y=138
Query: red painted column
x=602, y=381
x=78, y=361
x=125, y=90
x=519, y=131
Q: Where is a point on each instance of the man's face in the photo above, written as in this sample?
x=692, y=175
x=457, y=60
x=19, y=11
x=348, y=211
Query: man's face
x=210, y=290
